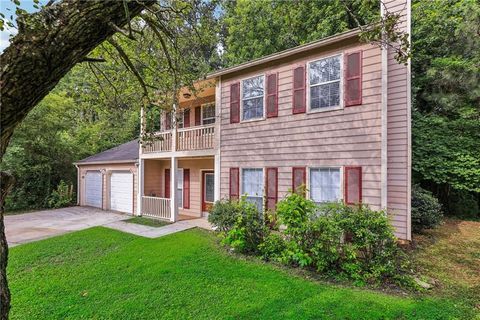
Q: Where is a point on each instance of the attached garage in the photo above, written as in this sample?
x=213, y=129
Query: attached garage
x=109, y=180
x=121, y=191
x=93, y=188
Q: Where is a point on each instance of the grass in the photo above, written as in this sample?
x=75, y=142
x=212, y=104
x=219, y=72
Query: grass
x=450, y=256
x=147, y=222
x=105, y=274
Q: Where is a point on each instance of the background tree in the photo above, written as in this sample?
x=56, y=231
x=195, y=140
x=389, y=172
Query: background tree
x=446, y=102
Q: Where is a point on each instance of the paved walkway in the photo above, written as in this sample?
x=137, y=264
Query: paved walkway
x=38, y=225
x=155, y=232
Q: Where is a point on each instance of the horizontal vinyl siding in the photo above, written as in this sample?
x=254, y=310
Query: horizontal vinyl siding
x=397, y=136
x=345, y=137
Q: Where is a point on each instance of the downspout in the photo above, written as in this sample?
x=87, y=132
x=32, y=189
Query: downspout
x=78, y=184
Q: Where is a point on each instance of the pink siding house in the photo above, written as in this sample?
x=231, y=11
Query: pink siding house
x=333, y=115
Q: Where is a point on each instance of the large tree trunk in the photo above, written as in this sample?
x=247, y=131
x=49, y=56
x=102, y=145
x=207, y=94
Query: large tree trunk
x=48, y=44
x=6, y=182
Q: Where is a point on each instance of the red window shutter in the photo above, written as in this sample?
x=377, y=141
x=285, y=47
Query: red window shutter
x=167, y=183
x=353, y=185
x=186, y=188
x=168, y=121
x=234, y=183
x=299, y=177
x=299, y=100
x=272, y=95
x=272, y=188
x=353, y=79
x=235, y=102
x=198, y=116
x=186, y=118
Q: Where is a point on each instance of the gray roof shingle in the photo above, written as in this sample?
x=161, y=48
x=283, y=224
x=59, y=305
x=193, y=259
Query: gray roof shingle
x=123, y=153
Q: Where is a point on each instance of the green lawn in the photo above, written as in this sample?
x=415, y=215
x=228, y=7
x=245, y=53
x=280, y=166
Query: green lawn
x=147, y=221
x=104, y=274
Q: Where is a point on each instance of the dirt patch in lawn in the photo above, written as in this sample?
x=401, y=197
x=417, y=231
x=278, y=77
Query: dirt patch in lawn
x=450, y=256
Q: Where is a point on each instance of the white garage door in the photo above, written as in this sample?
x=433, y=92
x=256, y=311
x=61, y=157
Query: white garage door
x=121, y=191
x=93, y=189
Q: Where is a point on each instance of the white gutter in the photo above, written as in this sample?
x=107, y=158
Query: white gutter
x=78, y=185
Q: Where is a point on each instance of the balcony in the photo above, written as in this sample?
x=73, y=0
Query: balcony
x=187, y=139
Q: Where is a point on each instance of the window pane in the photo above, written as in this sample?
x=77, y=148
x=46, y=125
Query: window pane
x=325, y=95
x=325, y=70
x=180, y=197
x=253, y=108
x=252, y=87
x=325, y=184
x=209, y=187
x=252, y=185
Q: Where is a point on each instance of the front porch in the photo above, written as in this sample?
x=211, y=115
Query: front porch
x=177, y=188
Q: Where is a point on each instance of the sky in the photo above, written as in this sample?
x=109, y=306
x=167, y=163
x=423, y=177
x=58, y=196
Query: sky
x=7, y=7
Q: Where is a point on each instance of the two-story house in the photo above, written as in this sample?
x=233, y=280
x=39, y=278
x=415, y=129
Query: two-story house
x=333, y=115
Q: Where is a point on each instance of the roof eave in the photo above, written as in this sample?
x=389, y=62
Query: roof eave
x=282, y=54
x=105, y=162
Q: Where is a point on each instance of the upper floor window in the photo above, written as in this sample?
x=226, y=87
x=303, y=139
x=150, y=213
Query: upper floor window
x=252, y=185
x=324, y=80
x=325, y=184
x=252, y=98
x=208, y=113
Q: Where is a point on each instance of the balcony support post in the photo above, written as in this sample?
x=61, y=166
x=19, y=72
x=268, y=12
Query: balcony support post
x=140, y=184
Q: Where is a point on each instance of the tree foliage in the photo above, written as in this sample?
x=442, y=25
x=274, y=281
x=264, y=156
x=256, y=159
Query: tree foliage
x=253, y=29
x=446, y=99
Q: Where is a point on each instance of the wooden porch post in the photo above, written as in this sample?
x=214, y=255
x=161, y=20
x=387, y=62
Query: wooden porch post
x=173, y=189
x=140, y=184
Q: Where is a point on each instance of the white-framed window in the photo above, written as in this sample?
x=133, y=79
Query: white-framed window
x=253, y=92
x=208, y=113
x=252, y=186
x=325, y=184
x=180, y=187
x=324, y=78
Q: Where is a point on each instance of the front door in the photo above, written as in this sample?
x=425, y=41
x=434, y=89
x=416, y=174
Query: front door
x=208, y=190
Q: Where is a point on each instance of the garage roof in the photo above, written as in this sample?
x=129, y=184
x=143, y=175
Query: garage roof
x=124, y=153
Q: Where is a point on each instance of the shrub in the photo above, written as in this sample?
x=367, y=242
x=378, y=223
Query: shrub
x=463, y=204
x=426, y=210
x=248, y=230
x=62, y=196
x=273, y=247
x=224, y=214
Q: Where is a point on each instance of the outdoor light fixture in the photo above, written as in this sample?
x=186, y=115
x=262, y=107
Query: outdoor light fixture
x=187, y=95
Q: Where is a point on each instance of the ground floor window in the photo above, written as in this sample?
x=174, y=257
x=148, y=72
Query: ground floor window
x=252, y=186
x=325, y=184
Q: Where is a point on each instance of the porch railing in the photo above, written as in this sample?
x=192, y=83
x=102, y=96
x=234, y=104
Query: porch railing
x=196, y=138
x=161, y=142
x=156, y=207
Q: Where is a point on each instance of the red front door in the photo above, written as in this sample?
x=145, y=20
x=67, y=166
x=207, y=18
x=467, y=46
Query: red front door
x=208, y=190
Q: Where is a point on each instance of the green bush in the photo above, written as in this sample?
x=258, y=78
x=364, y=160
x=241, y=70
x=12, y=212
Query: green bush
x=350, y=242
x=62, y=196
x=426, y=210
x=223, y=214
x=463, y=204
x=273, y=246
x=248, y=231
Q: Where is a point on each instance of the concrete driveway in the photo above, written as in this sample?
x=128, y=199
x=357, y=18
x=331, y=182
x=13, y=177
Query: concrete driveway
x=33, y=226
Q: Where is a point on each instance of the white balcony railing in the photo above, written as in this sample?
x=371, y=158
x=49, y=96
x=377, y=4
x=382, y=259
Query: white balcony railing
x=161, y=142
x=195, y=138
x=156, y=207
